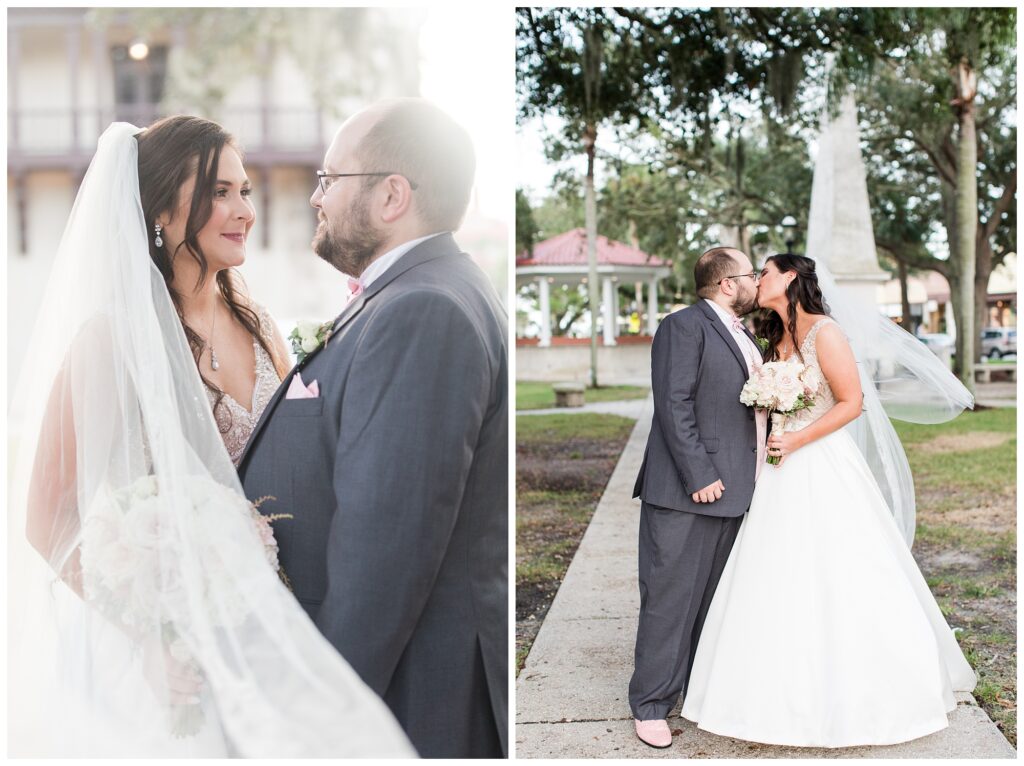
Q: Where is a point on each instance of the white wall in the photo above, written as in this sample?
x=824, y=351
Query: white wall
x=616, y=365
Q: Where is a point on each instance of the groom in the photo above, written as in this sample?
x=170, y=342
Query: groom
x=696, y=481
x=389, y=444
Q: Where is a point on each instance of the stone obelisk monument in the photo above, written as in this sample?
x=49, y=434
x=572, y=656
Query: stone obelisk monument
x=839, y=231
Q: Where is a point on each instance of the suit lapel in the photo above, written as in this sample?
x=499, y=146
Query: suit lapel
x=724, y=334
x=435, y=247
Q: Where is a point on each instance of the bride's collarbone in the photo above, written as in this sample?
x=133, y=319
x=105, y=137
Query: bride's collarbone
x=236, y=365
x=788, y=346
x=805, y=325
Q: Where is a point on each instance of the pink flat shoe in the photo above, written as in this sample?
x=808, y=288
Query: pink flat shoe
x=654, y=733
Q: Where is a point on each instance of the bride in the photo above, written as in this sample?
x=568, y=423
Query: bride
x=200, y=222
x=146, y=613
x=823, y=632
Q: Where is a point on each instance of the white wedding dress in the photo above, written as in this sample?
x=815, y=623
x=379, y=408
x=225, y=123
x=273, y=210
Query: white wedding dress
x=823, y=632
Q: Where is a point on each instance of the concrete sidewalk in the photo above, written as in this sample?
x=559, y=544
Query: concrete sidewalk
x=998, y=394
x=571, y=695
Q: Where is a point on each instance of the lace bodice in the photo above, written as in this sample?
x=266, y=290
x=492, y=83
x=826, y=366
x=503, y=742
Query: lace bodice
x=234, y=421
x=824, y=399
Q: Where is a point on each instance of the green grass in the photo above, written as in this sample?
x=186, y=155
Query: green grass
x=562, y=429
x=548, y=562
x=1002, y=638
x=573, y=505
x=966, y=587
x=955, y=478
x=1000, y=545
x=531, y=395
x=975, y=479
x=1002, y=420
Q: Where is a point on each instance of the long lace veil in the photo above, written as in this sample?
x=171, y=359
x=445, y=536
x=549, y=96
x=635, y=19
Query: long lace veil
x=145, y=618
x=901, y=378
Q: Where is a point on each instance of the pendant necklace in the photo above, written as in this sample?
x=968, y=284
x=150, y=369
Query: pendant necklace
x=214, y=364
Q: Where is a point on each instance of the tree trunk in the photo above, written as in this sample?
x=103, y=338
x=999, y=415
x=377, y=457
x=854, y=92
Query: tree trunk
x=908, y=320
x=957, y=304
x=981, y=277
x=966, y=215
x=953, y=276
x=743, y=237
x=590, y=205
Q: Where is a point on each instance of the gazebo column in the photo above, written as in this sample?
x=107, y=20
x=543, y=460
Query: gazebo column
x=638, y=299
x=609, y=312
x=544, y=288
x=652, y=307
x=616, y=311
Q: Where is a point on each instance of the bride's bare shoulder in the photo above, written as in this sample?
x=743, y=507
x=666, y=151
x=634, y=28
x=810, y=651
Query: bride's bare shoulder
x=830, y=338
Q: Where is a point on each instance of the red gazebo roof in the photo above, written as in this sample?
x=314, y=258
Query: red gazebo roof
x=570, y=249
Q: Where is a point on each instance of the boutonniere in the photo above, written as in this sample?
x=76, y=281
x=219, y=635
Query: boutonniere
x=762, y=343
x=308, y=336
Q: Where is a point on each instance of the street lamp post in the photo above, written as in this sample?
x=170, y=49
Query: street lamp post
x=789, y=226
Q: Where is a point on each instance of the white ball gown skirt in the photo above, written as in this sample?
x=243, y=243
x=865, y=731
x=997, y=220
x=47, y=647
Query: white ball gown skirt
x=823, y=632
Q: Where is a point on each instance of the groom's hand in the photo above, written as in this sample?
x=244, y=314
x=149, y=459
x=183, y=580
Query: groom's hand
x=710, y=493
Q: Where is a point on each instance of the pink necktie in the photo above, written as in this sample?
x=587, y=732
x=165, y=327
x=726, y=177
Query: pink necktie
x=760, y=416
x=355, y=289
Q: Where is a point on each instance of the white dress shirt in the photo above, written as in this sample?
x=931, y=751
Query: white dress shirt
x=386, y=261
x=751, y=353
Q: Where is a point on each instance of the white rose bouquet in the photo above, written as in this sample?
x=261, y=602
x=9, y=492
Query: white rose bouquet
x=133, y=541
x=782, y=388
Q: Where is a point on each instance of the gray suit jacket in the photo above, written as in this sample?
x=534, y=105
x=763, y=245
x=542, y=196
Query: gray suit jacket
x=700, y=431
x=397, y=476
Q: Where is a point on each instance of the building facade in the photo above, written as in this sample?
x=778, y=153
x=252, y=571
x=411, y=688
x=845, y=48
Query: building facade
x=71, y=72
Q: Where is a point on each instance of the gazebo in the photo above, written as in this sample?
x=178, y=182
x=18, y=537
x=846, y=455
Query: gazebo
x=563, y=260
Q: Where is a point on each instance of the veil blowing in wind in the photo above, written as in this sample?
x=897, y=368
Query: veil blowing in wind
x=146, y=617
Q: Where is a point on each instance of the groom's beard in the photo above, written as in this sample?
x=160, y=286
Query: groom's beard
x=744, y=304
x=351, y=250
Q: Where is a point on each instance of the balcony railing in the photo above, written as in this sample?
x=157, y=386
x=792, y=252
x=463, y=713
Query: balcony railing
x=66, y=138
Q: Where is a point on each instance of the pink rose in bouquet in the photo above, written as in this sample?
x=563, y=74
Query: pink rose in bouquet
x=782, y=388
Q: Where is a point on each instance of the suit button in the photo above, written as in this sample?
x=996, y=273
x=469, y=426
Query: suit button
x=753, y=449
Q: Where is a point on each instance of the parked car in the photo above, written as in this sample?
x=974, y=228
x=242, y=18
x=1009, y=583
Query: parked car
x=937, y=340
x=997, y=342
x=940, y=344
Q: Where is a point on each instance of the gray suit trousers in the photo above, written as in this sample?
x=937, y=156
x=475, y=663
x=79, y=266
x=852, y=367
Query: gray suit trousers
x=682, y=556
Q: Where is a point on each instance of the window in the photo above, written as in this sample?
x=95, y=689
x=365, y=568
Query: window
x=138, y=85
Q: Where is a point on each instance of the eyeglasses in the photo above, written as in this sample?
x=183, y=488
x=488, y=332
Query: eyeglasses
x=753, y=275
x=327, y=179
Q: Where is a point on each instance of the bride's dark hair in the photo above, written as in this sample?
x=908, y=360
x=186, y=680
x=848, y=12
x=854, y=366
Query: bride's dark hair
x=803, y=291
x=171, y=150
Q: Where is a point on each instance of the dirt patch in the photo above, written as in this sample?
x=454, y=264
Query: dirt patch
x=960, y=560
x=989, y=518
x=987, y=512
x=965, y=442
x=969, y=558
x=558, y=486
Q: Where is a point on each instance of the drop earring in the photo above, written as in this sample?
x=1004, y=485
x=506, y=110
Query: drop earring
x=159, y=242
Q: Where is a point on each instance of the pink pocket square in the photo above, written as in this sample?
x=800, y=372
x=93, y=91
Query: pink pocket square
x=298, y=390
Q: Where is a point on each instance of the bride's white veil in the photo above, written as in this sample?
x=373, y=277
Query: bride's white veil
x=901, y=378
x=144, y=618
